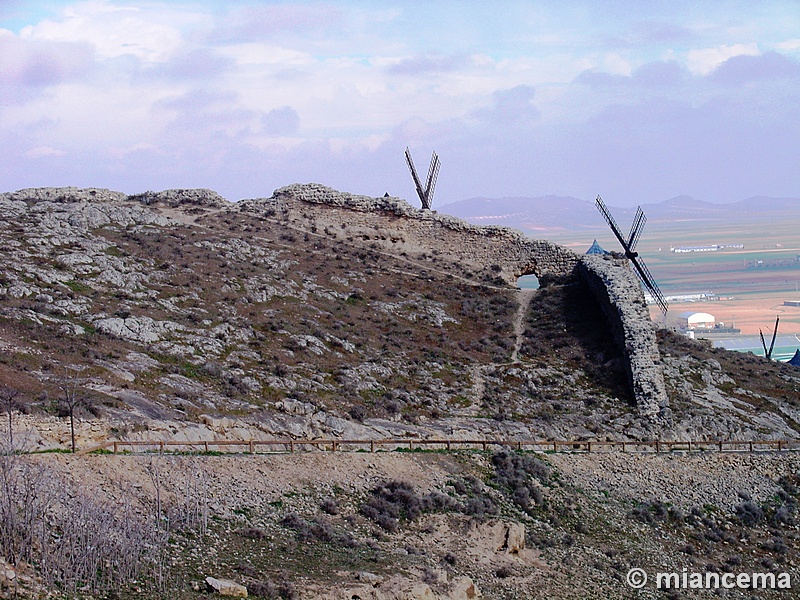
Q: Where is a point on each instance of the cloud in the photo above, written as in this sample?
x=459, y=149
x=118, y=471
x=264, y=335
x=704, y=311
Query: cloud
x=152, y=32
x=510, y=108
x=703, y=61
x=743, y=69
x=420, y=65
x=659, y=75
x=43, y=151
x=280, y=121
x=245, y=95
x=193, y=64
x=258, y=23
x=30, y=63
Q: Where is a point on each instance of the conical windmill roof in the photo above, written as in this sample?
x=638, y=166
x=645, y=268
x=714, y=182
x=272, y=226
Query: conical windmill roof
x=595, y=249
x=795, y=360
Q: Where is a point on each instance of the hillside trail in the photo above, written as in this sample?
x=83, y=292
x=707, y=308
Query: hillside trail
x=524, y=298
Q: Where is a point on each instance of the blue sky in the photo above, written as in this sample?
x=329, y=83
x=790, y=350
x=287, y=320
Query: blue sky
x=637, y=101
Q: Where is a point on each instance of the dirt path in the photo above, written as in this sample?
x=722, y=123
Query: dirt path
x=524, y=299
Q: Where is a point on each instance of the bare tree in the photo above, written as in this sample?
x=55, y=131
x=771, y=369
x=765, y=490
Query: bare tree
x=11, y=401
x=72, y=398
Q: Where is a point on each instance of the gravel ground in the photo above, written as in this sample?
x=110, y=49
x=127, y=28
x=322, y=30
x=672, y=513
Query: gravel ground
x=686, y=480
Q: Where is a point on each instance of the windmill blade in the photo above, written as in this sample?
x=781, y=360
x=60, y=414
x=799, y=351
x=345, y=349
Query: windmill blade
x=413, y=170
x=763, y=343
x=610, y=220
x=774, y=335
x=636, y=228
x=430, y=184
x=647, y=279
x=636, y=231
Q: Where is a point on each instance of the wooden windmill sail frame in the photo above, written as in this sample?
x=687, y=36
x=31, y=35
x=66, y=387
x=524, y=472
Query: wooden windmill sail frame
x=768, y=353
x=629, y=246
x=425, y=194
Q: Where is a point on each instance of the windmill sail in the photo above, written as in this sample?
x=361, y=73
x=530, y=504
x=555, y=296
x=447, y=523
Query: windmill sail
x=629, y=245
x=610, y=220
x=636, y=228
x=433, y=174
x=425, y=194
x=768, y=353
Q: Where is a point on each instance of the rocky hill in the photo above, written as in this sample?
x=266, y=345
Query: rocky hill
x=320, y=314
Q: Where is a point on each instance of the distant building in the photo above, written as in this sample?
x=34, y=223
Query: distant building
x=678, y=298
x=595, y=249
x=696, y=320
x=791, y=302
x=711, y=248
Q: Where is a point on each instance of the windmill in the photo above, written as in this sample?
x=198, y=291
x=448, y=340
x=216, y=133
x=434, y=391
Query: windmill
x=768, y=353
x=629, y=246
x=425, y=194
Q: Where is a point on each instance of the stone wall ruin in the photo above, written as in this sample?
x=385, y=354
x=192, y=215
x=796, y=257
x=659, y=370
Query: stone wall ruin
x=392, y=225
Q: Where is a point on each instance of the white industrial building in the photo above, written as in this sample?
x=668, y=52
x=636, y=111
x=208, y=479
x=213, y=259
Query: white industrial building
x=696, y=320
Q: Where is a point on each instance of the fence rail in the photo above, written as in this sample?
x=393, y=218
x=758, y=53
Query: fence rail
x=334, y=445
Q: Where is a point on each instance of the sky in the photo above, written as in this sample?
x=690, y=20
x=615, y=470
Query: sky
x=637, y=101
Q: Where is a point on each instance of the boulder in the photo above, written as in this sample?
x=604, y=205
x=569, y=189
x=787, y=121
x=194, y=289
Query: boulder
x=226, y=587
x=463, y=588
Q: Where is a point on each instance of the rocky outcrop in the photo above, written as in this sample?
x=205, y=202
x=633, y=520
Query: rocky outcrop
x=171, y=198
x=64, y=194
x=182, y=197
x=618, y=292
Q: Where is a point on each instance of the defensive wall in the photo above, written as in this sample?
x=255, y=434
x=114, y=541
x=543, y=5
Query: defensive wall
x=391, y=224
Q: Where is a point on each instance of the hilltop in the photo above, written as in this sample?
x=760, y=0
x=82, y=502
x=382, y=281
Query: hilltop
x=321, y=314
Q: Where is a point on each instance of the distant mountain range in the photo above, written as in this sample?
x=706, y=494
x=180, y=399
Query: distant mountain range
x=564, y=212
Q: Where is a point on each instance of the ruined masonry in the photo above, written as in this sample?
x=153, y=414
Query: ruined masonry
x=392, y=224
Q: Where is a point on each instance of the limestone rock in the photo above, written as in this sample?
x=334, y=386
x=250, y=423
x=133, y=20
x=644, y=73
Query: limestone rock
x=179, y=197
x=226, y=587
x=137, y=329
x=463, y=588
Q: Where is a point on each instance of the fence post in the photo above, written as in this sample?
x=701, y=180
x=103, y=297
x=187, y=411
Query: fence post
x=589, y=447
x=720, y=445
x=779, y=445
x=115, y=447
x=252, y=447
x=658, y=447
x=751, y=446
x=448, y=444
x=291, y=446
x=372, y=445
x=623, y=446
x=555, y=446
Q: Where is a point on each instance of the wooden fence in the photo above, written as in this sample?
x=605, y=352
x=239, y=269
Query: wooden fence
x=334, y=445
